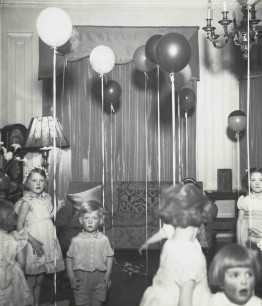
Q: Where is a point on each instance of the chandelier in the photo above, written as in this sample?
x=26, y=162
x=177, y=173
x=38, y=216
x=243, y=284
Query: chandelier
x=239, y=33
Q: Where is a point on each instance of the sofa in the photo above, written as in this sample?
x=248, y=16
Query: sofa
x=126, y=222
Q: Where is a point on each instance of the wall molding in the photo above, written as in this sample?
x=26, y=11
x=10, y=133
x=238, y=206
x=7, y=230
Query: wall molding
x=18, y=89
x=115, y=3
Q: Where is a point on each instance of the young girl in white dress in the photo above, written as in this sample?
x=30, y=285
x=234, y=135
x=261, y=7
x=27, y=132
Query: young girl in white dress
x=249, y=222
x=181, y=279
x=35, y=212
x=14, y=290
x=233, y=272
x=167, y=230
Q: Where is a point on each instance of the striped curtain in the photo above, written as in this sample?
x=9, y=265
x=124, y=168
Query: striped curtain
x=255, y=106
x=130, y=131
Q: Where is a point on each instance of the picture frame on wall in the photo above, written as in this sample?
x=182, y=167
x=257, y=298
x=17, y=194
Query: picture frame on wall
x=224, y=180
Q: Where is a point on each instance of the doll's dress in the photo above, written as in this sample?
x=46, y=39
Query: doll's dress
x=14, y=290
x=40, y=225
x=180, y=261
x=252, y=207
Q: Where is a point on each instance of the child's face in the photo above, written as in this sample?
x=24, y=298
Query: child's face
x=90, y=221
x=36, y=183
x=239, y=283
x=256, y=182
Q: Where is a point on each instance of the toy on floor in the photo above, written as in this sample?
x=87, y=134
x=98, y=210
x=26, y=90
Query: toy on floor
x=133, y=269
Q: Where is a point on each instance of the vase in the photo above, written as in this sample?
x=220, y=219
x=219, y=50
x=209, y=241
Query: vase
x=4, y=183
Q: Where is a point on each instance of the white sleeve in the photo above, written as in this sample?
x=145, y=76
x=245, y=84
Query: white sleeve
x=167, y=231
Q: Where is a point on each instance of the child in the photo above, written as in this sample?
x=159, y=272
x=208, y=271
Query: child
x=35, y=212
x=167, y=230
x=250, y=210
x=181, y=279
x=14, y=289
x=235, y=271
x=90, y=258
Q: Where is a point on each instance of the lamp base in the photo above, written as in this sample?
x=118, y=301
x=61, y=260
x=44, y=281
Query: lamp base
x=45, y=155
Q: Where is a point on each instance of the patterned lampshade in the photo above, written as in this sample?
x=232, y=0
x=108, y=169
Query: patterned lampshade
x=40, y=134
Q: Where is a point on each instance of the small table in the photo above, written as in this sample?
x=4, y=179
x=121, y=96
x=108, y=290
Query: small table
x=224, y=224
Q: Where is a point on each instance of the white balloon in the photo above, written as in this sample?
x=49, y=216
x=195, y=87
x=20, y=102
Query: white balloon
x=102, y=59
x=183, y=77
x=54, y=26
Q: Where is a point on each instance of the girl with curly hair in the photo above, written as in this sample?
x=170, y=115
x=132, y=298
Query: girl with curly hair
x=181, y=279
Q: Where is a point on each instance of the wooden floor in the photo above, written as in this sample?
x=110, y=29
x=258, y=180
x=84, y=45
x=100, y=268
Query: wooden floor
x=132, y=273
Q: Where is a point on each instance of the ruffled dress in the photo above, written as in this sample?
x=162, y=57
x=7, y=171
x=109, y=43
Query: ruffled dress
x=252, y=207
x=180, y=262
x=40, y=225
x=219, y=299
x=14, y=290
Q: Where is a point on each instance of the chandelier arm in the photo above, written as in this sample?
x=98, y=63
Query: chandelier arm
x=239, y=34
x=220, y=43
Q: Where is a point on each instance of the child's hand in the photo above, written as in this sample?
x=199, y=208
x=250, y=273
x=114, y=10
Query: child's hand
x=107, y=281
x=143, y=247
x=74, y=282
x=37, y=247
x=254, y=232
x=60, y=204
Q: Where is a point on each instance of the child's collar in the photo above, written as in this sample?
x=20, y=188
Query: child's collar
x=253, y=196
x=38, y=196
x=91, y=235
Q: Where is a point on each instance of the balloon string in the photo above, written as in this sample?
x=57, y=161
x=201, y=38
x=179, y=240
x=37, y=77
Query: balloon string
x=248, y=113
x=172, y=78
x=103, y=145
x=103, y=76
x=54, y=146
x=179, y=140
x=146, y=80
x=186, y=117
x=112, y=178
x=158, y=141
x=63, y=85
x=238, y=164
x=196, y=147
x=145, y=100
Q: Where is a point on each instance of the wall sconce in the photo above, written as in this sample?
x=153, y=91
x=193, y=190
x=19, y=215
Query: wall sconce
x=40, y=134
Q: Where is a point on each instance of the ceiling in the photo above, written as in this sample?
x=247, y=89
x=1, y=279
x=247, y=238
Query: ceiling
x=120, y=3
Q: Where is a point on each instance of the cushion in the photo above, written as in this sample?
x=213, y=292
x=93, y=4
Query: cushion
x=94, y=194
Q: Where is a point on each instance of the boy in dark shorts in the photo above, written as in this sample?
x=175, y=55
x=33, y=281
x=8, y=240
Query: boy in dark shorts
x=90, y=258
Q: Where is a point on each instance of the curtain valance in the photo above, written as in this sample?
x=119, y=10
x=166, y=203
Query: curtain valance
x=122, y=40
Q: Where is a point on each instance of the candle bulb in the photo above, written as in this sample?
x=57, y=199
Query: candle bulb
x=209, y=9
x=224, y=6
x=209, y=13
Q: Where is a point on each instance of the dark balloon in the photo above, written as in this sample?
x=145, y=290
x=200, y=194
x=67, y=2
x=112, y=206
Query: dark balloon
x=150, y=47
x=141, y=62
x=173, y=52
x=237, y=121
x=187, y=98
x=112, y=92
